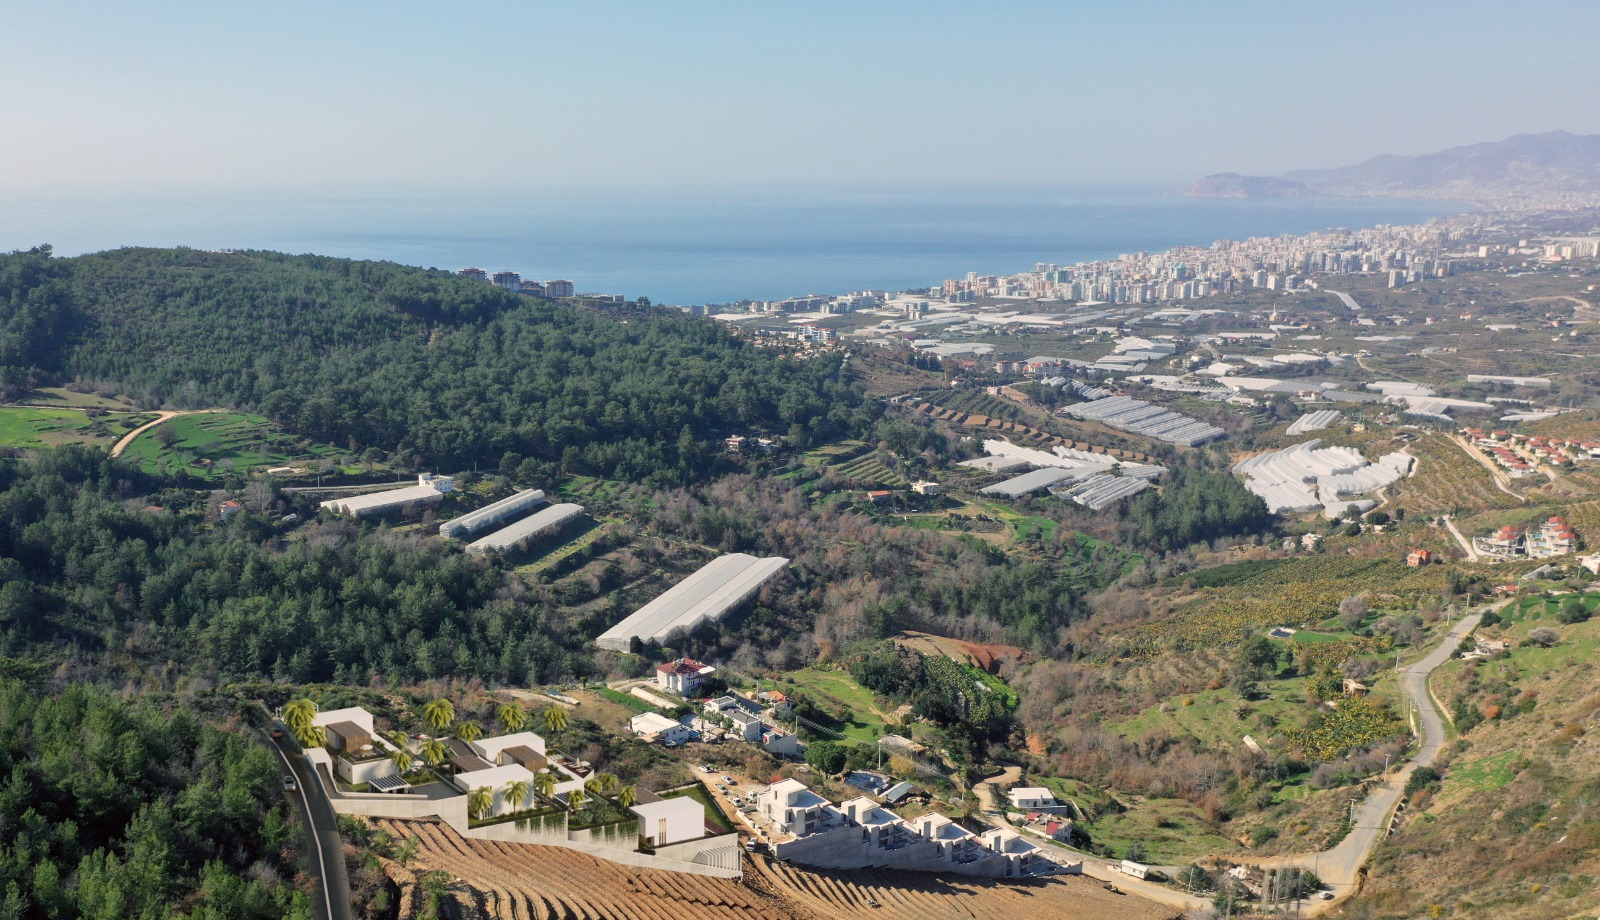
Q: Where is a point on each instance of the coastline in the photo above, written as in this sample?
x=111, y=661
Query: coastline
x=688, y=247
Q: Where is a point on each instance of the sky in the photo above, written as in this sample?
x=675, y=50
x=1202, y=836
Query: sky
x=536, y=95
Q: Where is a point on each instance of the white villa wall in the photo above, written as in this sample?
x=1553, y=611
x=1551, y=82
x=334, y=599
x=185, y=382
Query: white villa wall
x=357, y=773
x=708, y=859
x=671, y=821
x=844, y=848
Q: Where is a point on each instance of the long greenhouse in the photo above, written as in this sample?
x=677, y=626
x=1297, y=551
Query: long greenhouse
x=519, y=535
x=706, y=596
x=501, y=511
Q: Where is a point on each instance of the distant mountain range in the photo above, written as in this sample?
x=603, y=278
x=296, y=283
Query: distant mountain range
x=1556, y=162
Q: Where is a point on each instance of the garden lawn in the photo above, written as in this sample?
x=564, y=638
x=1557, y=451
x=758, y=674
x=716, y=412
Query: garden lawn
x=866, y=723
x=714, y=816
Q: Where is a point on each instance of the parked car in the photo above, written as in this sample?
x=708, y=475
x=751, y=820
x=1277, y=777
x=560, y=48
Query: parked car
x=277, y=733
x=289, y=784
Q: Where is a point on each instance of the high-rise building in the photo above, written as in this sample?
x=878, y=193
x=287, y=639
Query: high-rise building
x=558, y=288
x=508, y=280
x=474, y=274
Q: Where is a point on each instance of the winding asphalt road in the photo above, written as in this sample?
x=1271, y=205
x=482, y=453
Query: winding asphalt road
x=326, y=856
x=1340, y=867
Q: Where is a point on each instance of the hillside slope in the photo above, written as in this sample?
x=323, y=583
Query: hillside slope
x=1525, y=164
x=374, y=354
x=1513, y=828
x=1555, y=158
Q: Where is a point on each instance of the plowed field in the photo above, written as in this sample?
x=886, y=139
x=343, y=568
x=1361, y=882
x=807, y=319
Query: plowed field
x=519, y=882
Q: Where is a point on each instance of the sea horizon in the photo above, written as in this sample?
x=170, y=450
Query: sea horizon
x=686, y=244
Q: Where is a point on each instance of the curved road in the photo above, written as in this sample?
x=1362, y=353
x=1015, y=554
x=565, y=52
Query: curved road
x=165, y=415
x=326, y=856
x=1340, y=867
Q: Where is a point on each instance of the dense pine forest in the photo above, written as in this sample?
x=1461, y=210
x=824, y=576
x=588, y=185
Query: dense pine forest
x=439, y=370
x=106, y=588
x=114, y=810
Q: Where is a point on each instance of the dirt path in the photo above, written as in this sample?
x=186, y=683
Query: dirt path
x=1466, y=545
x=1010, y=776
x=1487, y=464
x=164, y=416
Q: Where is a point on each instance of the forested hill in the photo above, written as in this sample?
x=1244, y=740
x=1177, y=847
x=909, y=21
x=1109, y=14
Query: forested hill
x=374, y=354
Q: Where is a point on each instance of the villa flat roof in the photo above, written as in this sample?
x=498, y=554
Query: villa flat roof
x=666, y=807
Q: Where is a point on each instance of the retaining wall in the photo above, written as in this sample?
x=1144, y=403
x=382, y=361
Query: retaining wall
x=709, y=856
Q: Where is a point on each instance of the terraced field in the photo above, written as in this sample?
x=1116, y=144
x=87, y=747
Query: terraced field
x=518, y=882
x=30, y=426
x=1448, y=480
x=868, y=470
x=206, y=444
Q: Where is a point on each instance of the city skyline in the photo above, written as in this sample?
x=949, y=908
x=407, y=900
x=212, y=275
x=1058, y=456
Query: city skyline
x=724, y=95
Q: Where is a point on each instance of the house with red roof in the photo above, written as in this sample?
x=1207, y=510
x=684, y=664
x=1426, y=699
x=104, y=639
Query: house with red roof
x=683, y=676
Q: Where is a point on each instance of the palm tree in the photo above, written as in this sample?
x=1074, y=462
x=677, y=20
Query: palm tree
x=576, y=800
x=311, y=736
x=401, y=758
x=435, y=752
x=469, y=731
x=299, y=713
x=480, y=800
x=517, y=793
x=398, y=738
x=555, y=719
x=438, y=714
x=513, y=718
x=626, y=796
x=544, y=782
x=605, y=783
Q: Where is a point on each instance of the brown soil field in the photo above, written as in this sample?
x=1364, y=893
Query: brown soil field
x=985, y=656
x=518, y=882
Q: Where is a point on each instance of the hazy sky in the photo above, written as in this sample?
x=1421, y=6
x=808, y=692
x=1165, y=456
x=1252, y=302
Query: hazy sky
x=1064, y=93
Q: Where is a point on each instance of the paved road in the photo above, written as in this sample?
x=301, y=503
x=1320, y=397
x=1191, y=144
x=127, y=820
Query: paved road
x=1340, y=867
x=326, y=858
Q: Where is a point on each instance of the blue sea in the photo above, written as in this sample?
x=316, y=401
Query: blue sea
x=685, y=246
